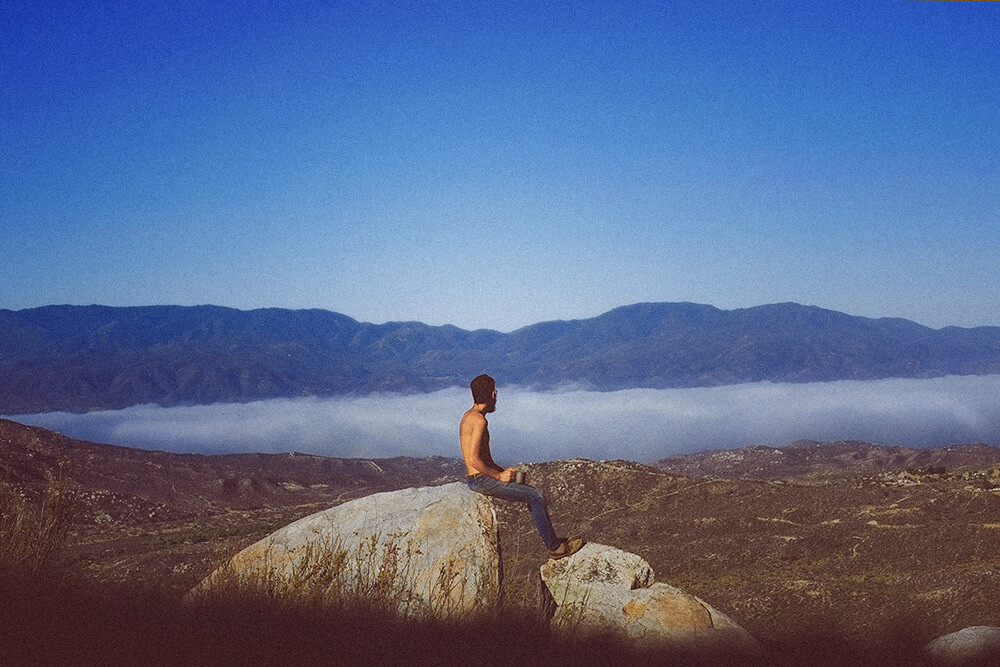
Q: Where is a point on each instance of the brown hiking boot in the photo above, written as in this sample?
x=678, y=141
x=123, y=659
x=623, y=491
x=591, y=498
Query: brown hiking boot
x=567, y=547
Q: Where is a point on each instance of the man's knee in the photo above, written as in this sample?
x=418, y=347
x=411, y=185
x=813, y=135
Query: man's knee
x=535, y=496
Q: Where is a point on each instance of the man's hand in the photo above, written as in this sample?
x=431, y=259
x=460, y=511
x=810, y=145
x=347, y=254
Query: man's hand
x=507, y=475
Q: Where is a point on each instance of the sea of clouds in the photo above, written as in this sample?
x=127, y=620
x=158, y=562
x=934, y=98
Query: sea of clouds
x=642, y=425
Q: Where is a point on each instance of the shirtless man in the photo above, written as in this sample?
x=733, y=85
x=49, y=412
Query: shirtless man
x=487, y=478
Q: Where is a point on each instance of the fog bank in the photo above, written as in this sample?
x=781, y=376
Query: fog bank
x=641, y=425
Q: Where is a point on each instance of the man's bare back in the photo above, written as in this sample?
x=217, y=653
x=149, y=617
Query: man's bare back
x=474, y=434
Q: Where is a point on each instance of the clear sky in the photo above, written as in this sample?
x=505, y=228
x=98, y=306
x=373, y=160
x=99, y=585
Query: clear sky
x=498, y=164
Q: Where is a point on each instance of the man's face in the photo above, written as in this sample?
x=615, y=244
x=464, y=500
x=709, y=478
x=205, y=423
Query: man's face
x=491, y=405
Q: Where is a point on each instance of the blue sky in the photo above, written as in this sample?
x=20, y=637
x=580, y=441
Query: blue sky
x=499, y=164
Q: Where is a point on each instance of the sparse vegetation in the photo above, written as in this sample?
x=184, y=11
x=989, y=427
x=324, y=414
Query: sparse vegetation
x=929, y=471
x=33, y=533
x=324, y=576
x=852, y=564
x=374, y=576
x=111, y=625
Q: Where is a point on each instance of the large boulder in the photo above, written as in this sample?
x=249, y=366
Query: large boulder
x=605, y=590
x=429, y=551
x=978, y=645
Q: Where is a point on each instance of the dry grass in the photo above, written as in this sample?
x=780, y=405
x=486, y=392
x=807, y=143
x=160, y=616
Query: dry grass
x=84, y=625
x=61, y=624
x=376, y=575
x=338, y=605
x=323, y=617
x=32, y=534
x=795, y=586
x=325, y=576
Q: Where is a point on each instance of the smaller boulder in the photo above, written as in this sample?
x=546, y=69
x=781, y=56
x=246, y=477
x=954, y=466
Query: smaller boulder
x=978, y=645
x=572, y=580
x=605, y=590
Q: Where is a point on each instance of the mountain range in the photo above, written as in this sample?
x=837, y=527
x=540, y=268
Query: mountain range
x=81, y=358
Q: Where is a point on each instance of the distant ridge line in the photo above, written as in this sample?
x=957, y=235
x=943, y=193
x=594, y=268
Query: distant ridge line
x=81, y=358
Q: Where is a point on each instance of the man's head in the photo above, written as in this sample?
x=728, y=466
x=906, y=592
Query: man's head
x=483, y=388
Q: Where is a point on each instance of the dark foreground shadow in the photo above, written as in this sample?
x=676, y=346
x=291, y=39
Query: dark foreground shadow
x=67, y=623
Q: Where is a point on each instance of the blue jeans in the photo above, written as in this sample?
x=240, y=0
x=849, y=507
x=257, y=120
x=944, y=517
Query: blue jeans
x=520, y=493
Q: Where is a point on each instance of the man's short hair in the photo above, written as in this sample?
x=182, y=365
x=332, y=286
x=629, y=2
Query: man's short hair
x=482, y=388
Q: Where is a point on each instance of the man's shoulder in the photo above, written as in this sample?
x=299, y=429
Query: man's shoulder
x=473, y=416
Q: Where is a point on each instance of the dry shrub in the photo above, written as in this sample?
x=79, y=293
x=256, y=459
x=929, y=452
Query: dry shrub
x=375, y=577
x=32, y=534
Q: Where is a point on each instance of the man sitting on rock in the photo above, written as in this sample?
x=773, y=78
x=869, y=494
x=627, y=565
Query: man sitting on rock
x=489, y=479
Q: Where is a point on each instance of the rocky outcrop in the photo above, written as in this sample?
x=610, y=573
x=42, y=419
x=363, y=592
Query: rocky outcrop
x=430, y=551
x=605, y=590
x=979, y=645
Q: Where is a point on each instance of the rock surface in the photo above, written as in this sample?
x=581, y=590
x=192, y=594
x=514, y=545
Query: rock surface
x=423, y=551
x=978, y=645
x=602, y=589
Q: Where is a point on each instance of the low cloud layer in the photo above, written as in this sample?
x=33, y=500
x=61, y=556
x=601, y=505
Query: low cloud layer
x=641, y=425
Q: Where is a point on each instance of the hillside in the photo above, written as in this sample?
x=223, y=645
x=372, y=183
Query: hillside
x=123, y=485
x=79, y=358
x=817, y=459
x=851, y=558
x=811, y=554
